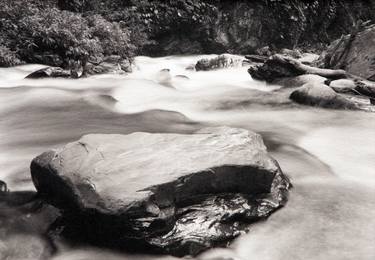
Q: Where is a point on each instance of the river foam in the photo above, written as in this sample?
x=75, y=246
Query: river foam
x=328, y=154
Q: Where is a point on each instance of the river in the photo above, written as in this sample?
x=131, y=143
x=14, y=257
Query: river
x=328, y=154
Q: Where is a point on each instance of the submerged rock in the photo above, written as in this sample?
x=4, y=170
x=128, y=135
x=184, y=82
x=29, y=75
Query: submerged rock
x=172, y=193
x=219, y=62
x=25, y=247
x=49, y=72
x=299, y=81
x=24, y=224
x=315, y=94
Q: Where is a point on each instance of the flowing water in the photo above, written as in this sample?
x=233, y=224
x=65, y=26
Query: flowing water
x=328, y=154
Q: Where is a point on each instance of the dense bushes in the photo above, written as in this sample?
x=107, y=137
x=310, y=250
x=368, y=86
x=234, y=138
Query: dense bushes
x=8, y=58
x=34, y=34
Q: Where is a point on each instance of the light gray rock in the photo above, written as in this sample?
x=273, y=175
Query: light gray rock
x=343, y=85
x=299, y=81
x=178, y=193
x=316, y=94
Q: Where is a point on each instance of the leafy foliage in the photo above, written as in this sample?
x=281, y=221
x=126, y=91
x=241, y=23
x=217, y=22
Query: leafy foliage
x=59, y=38
x=70, y=32
x=8, y=58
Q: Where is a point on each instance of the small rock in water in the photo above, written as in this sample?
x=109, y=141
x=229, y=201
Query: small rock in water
x=49, y=72
x=299, y=81
x=316, y=94
x=219, y=62
x=173, y=193
x=343, y=85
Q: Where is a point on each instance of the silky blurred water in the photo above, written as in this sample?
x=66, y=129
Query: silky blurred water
x=328, y=154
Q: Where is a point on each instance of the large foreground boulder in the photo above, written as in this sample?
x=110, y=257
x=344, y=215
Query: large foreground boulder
x=321, y=95
x=173, y=193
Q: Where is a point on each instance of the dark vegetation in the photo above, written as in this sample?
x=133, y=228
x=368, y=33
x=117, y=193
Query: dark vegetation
x=69, y=33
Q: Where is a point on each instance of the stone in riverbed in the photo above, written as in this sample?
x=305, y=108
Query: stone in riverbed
x=321, y=95
x=174, y=193
x=299, y=81
x=219, y=62
x=49, y=72
x=343, y=85
x=354, y=53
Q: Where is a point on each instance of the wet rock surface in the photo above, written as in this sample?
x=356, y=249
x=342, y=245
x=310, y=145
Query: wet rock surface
x=49, y=72
x=354, y=53
x=154, y=191
x=24, y=225
x=316, y=94
x=280, y=66
x=219, y=62
x=110, y=64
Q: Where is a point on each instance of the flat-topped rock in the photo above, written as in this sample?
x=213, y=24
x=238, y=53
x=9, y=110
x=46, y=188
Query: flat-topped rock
x=155, y=184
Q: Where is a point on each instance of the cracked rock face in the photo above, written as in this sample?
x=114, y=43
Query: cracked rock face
x=172, y=193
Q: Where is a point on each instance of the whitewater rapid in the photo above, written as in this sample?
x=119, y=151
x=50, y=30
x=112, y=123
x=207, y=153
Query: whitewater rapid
x=328, y=154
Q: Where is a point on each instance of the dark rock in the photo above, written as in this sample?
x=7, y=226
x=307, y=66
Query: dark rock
x=366, y=88
x=155, y=191
x=3, y=188
x=219, y=62
x=354, y=53
x=49, y=72
x=256, y=58
x=24, y=224
x=103, y=68
x=264, y=51
x=281, y=66
x=273, y=69
x=315, y=94
x=109, y=64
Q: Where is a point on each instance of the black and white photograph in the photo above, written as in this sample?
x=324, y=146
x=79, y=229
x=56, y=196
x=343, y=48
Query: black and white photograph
x=187, y=129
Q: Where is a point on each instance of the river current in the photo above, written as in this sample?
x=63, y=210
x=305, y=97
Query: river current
x=328, y=154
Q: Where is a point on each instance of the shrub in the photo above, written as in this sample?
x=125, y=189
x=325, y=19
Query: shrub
x=8, y=58
x=59, y=38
